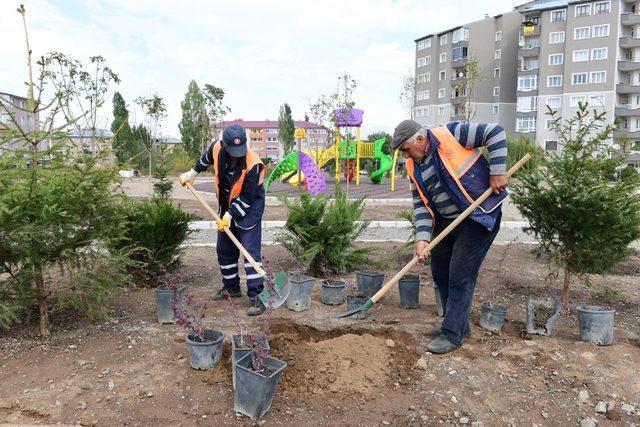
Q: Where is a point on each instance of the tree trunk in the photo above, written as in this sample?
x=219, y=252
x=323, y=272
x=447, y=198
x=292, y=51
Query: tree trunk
x=299, y=162
x=42, y=302
x=565, y=292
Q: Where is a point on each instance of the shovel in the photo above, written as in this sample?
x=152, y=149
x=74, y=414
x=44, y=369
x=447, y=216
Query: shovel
x=275, y=292
x=376, y=297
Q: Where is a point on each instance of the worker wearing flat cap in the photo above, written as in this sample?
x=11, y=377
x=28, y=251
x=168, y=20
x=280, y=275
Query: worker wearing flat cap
x=448, y=172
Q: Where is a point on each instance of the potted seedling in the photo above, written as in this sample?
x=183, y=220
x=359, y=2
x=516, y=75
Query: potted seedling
x=164, y=294
x=257, y=374
x=333, y=291
x=204, y=345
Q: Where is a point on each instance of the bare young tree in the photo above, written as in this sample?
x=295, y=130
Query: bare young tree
x=407, y=95
x=154, y=111
x=472, y=78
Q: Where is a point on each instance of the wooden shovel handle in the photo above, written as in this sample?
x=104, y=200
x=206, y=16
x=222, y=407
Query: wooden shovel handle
x=235, y=241
x=446, y=231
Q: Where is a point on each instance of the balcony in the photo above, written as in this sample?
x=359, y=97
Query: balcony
x=525, y=71
x=630, y=18
x=460, y=42
x=459, y=63
x=458, y=118
x=529, y=51
x=530, y=113
x=459, y=100
x=627, y=110
x=629, y=42
x=459, y=81
x=530, y=30
x=627, y=88
x=628, y=65
x=630, y=134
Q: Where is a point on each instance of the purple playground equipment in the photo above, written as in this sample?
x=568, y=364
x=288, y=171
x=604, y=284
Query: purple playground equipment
x=348, y=117
x=314, y=179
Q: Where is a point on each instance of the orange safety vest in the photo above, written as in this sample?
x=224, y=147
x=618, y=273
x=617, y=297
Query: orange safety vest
x=456, y=159
x=252, y=160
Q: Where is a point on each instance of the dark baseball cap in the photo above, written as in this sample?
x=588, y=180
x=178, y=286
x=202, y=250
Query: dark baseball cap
x=235, y=141
x=405, y=130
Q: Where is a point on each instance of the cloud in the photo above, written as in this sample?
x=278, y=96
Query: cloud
x=262, y=53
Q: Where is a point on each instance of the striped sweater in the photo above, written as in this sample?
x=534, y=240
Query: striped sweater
x=469, y=135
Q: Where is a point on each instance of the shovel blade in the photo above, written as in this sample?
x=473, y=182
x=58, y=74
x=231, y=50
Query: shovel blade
x=364, y=307
x=276, y=294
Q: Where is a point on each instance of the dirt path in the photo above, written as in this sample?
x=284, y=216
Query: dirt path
x=131, y=370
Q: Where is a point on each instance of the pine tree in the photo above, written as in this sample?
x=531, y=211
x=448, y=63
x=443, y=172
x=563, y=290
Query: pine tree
x=124, y=145
x=58, y=210
x=582, y=216
x=194, y=126
x=286, y=128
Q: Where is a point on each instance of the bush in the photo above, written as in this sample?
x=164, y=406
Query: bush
x=517, y=148
x=323, y=232
x=628, y=172
x=156, y=230
x=179, y=161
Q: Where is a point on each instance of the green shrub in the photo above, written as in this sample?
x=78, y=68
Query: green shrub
x=322, y=232
x=518, y=147
x=156, y=230
x=628, y=172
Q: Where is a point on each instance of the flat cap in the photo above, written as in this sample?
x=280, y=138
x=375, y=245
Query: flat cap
x=405, y=130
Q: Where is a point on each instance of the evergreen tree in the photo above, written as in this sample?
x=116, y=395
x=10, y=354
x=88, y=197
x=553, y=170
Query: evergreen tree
x=123, y=142
x=582, y=218
x=286, y=128
x=194, y=126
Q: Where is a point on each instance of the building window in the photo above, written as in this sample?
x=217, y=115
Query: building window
x=601, y=30
x=556, y=37
x=498, y=35
x=525, y=124
x=442, y=75
x=427, y=77
x=554, y=81
x=575, y=100
x=530, y=64
x=498, y=54
x=461, y=34
x=556, y=59
x=598, y=77
x=443, y=39
x=424, y=44
x=551, y=145
x=531, y=43
x=597, y=100
x=583, y=10
x=527, y=103
x=423, y=95
x=604, y=7
x=443, y=57
x=441, y=111
x=554, y=102
x=559, y=15
x=526, y=83
x=496, y=73
x=420, y=78
x=548, y=123
x=459, y=53
x=422, y=62
x=496, y=91
x=579, y=78
x=599, y=53
x=495, y=110
x=580, y=55
x=441, y=93
x=581, y=33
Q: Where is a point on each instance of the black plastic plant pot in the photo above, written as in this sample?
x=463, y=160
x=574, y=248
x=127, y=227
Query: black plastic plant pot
x=240, y=348
x=542, y=314
x=299, y=298
x=333, y=291
x=596, y=324
x=438, y=297
x=255, y=390
x=205, y=353
x=369, y=282
x=492, y=317
x=409, y=287
x=354, y=302
x=164, y=302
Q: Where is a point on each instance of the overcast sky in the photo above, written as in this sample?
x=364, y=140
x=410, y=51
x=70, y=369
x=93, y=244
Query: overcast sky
x=262, y=53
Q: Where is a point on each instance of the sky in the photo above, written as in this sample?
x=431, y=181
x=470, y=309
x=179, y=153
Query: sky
x=263, y=53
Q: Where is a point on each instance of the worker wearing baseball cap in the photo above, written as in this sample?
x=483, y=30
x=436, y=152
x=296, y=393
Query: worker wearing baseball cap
x=238, y=180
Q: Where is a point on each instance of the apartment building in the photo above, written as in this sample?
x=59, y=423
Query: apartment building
x=15, y=107
x=262, y=136
x=442, y=86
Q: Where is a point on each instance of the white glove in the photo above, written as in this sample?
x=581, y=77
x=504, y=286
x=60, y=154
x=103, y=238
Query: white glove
x=189, y=177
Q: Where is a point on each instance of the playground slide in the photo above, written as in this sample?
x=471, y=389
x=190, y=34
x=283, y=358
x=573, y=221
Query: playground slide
x=377, y=176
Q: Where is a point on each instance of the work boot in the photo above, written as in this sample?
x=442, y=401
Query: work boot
x=441, y=345
x=255, y=307
x=434, y=331
x=225, y=293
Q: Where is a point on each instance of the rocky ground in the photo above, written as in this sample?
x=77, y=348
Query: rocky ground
x=130, y=370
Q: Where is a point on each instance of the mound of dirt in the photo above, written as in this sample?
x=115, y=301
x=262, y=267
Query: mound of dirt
x=349, y=363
